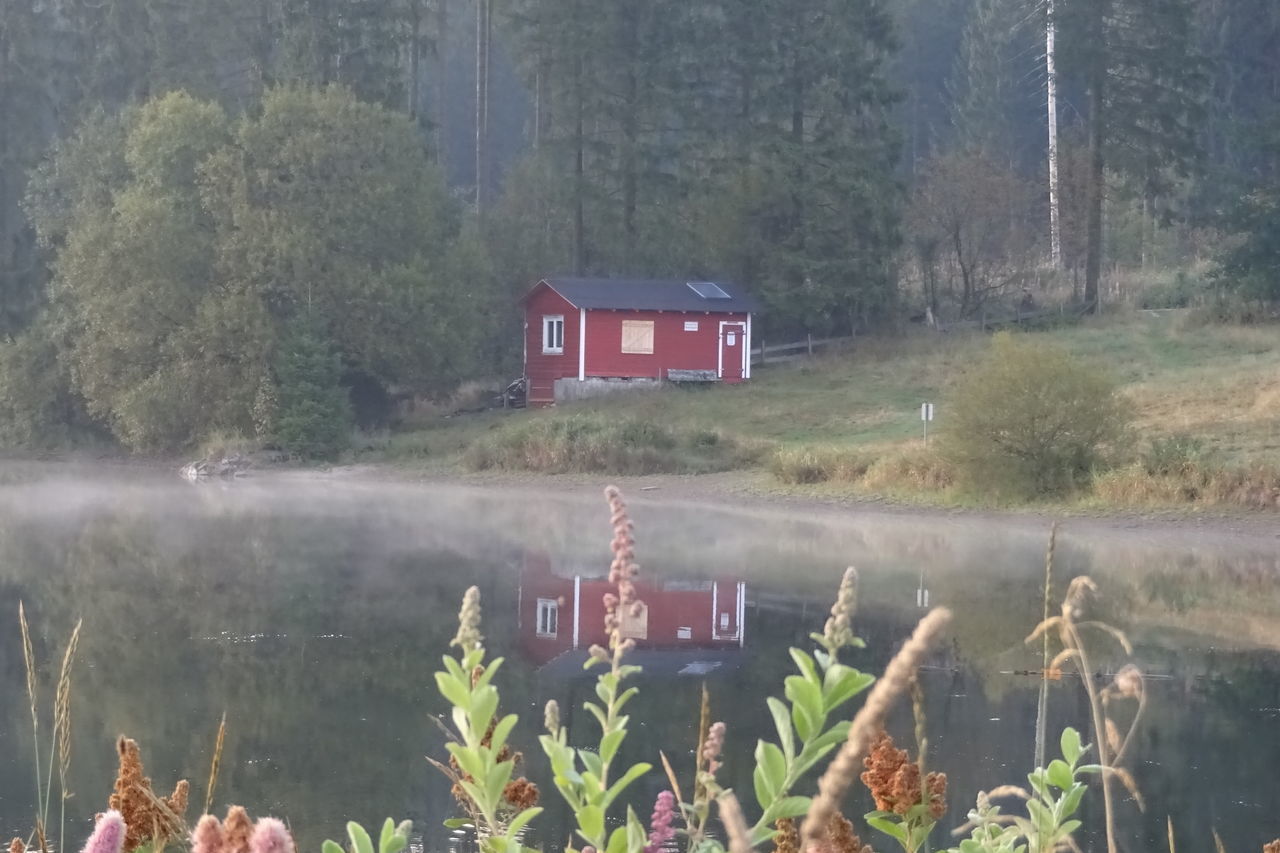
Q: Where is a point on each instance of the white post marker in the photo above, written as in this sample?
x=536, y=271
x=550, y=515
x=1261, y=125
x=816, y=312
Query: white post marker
x=926, y=415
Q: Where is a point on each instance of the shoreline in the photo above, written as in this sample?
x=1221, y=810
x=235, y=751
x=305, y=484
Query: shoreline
x=747, y=492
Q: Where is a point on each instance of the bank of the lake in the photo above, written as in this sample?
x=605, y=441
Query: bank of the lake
x=1204, y=434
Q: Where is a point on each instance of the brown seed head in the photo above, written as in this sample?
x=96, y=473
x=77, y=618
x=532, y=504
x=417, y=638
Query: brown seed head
x=237, y=828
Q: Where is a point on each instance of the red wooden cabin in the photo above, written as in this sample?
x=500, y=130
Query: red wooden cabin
x=633, y=329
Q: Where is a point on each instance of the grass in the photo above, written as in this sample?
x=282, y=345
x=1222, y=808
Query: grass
x=852, y=419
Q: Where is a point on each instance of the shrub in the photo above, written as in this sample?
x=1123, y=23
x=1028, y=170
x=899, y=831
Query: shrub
x=1029, y=419
x=915, y=469
x=1193, y=483
x=804, y=465
x=598, y=442
x=1175, y=455
x=314, y=417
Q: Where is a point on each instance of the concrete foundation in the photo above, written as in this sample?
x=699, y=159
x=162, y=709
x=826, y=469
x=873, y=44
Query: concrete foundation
x=568, y=390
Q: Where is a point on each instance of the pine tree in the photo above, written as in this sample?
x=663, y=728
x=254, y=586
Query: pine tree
x=313, y=415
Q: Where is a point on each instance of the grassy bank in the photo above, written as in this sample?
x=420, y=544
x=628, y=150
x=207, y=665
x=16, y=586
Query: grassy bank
x=1205, y=430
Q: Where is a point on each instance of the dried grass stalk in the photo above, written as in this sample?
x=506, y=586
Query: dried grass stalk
x=213, y=766
x=735, y=825
x=868, y=721
x=29, y=658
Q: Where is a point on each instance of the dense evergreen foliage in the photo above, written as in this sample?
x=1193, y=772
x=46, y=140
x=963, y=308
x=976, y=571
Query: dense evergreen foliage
x=179, y=181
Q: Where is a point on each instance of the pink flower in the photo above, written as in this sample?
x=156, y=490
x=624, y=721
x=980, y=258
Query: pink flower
x=270, y=836
x=207, y=837
x=660, y=825
x=108, y=834
x=713, y=747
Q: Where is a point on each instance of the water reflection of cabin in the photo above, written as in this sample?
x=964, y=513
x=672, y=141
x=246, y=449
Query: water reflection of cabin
x=558, y=614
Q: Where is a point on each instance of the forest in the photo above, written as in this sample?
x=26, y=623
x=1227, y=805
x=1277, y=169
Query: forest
x=260, y=216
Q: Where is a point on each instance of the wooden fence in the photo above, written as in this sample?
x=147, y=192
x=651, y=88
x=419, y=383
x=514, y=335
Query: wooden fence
x=768, y=353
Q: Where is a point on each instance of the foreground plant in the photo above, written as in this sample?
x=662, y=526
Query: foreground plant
x=1056, y=792
x=589, y=781
x=806, y=734
x=583, y=776
x=60, y=745
x=1128, y=688
x=392, y=839
x=484, y=763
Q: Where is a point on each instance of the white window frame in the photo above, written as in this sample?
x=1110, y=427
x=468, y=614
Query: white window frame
x=547, y=607
x=551, y=322
x=653, y=331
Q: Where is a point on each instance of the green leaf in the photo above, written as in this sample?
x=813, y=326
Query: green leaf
x=841, y=684
x=331, y=847
x=502, y=731
x=1071, y=800
x=1059, y=774
x=889, y=827
x=592, y=761
x=469, y=762
x=1068, y=828
x=633, y=773
x=1070, y=743
x=617, y=841
x=388, y=832
x=484, y=704
x=625, y=697
x=591, y=823
x=496, y=780
x=782, y=722
x=771, y=770
x=487, y=674
x=454, y=692
x=1041, y=817
x=609, y=745
x=453, y=823
x=1038, y=784
x=518, y=822
x=806, y=666
x=787, y=807
x=360, y=840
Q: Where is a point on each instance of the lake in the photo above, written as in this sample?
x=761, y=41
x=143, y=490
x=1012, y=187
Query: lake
x=314, y=611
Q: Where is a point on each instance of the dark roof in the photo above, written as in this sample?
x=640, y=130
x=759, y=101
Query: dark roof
x=641, y=294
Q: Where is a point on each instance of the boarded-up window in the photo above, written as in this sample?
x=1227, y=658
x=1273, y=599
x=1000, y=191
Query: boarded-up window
x=634, y=622
x=637, y=336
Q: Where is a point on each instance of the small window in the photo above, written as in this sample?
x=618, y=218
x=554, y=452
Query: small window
x=691, y=325
x=553, y=334
x=637, y=336
x=548, y=617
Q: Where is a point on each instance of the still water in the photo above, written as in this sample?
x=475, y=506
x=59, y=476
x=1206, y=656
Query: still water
x=313, y=612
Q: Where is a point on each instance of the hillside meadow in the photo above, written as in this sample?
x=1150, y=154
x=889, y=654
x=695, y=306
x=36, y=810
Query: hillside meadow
x=1203, y=399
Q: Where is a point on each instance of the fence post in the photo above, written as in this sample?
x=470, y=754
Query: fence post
x=809, y=339
x=762, y=350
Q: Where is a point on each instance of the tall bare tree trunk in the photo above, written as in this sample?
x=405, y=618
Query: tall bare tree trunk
x=579, y=174
x=415, y=58
x=1051, y=73
x=1097, y=156
x=630, y=132
x=482, y=105
x=441, y=51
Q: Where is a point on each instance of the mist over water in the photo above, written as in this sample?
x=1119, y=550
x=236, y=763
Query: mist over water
x=313, y=611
